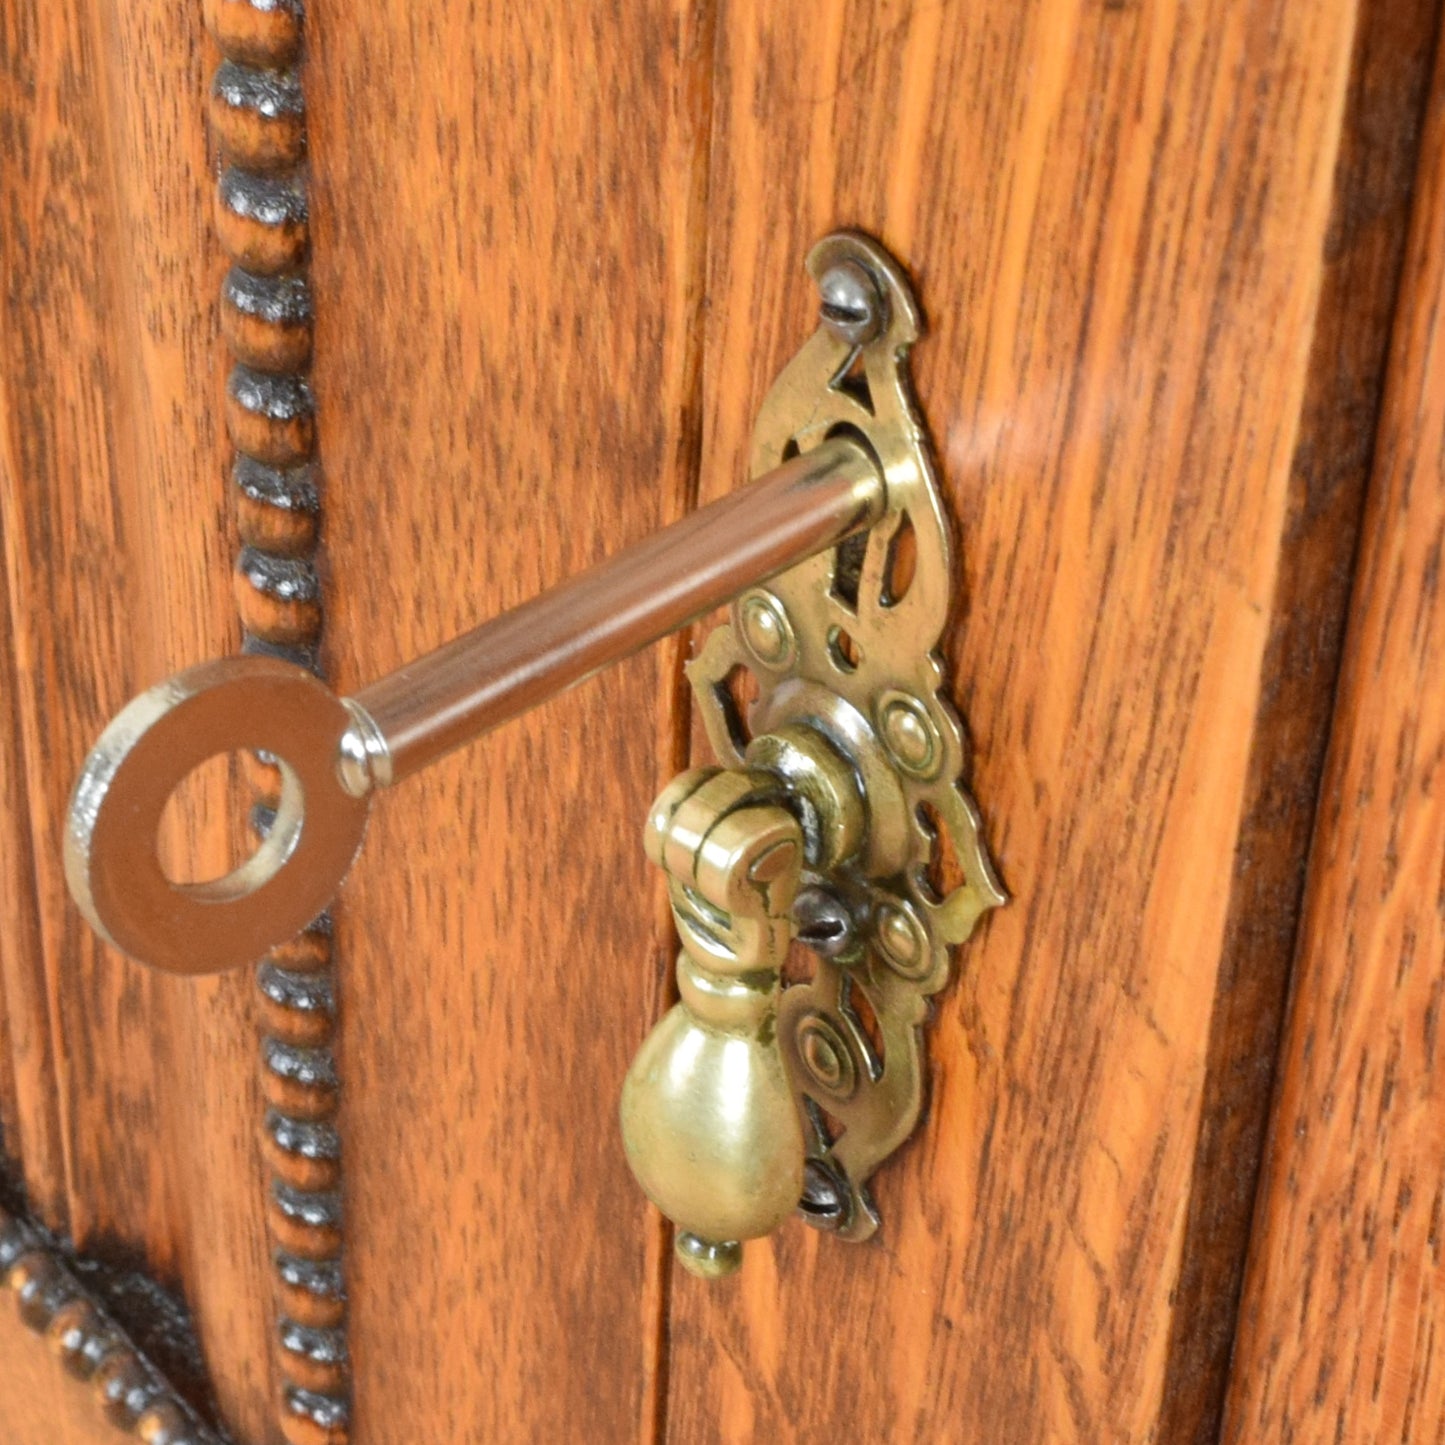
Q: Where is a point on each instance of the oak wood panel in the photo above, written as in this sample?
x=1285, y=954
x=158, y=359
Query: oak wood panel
x=1339, y=1329
x=116, y=555
x=506, y=261
x=1117, y=215
x=1363, y=251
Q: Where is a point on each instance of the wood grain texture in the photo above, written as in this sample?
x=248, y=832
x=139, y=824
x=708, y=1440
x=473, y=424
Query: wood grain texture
x=117, y=548
x=1118, y=219
x=29, y=1122
x=1159, y=245
x=43, y=1407
x=505, y=214
x=1338, y=1334
x=1363, y=252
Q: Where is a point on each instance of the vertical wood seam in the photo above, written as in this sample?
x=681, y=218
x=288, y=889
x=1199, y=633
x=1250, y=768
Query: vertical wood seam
x=25, y=938
x=1205, y=1320
x=699, y=78
x=1310, y=877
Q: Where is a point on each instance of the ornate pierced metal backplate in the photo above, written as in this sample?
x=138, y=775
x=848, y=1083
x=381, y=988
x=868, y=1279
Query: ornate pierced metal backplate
x=846, y=644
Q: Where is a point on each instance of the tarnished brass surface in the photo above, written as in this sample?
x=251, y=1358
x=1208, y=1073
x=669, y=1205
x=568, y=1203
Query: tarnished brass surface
x=708, y=1118
x=840, y=648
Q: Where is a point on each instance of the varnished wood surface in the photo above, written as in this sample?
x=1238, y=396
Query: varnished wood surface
x=79, y=1353
x=506, y=245
x=1119, y=219
x=1340, y=1328
x=1158, y=245
x=138, y=1092
x=1363, y=250
x=29, y=1126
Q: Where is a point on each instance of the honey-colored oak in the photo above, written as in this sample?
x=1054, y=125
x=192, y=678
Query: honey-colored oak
x=1339, y=1329
x=29, y=1128
x=506, y=235
x=139, y=1107
x=555, y=257
x=1363, y=251
x=1121, y=219
x=42, y=1406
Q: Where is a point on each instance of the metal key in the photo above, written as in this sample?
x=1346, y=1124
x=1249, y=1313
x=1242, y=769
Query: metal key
x=335, y=752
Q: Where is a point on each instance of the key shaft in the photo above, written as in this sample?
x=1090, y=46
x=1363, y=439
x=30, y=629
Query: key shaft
x=428, y=708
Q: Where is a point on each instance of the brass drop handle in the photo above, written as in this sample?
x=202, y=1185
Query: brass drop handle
x=749, y=1099
x=708, y=1117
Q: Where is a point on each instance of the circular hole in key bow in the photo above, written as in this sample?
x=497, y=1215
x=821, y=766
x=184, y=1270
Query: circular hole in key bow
x=229, y=824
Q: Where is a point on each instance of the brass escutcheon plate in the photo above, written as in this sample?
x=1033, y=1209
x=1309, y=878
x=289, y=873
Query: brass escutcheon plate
x=846, y=643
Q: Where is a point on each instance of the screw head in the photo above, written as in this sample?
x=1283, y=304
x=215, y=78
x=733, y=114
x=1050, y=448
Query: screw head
x=823, y=922
x=824, y=1201
x=909, y=735
x=852, y=305
x=766, y=629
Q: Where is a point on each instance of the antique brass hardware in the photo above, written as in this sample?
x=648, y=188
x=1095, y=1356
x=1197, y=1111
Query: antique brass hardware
x=849, y=734
x=749, y=1099
x=708, y=1117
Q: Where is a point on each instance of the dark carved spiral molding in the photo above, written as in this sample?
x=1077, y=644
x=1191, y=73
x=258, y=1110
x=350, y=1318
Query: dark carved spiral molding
x=130, y=1390
x=259, y=127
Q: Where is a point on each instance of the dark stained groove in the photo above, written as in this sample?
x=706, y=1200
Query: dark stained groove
x=301, y=654
x=288, y=579
x=258, y=131
x=287, y=491
x=1374, y=184
x=266, y=91
x=702, y=63
x=269, y=200
x=24, y=932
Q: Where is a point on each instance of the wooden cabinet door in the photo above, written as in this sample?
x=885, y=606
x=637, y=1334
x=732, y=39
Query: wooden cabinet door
x=328, y=335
